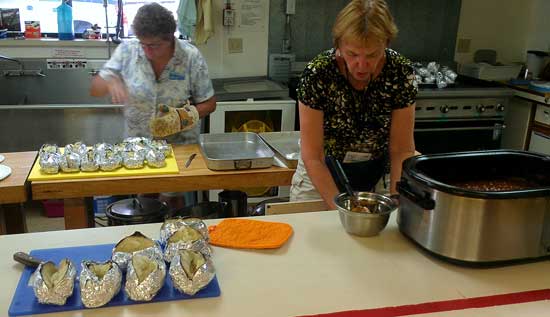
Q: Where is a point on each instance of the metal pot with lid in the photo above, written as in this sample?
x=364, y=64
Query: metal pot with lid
x=477, y=207
x=136, y=210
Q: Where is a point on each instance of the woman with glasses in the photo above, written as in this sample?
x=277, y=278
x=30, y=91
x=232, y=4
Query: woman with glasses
x=356, y=104
x=158, y=69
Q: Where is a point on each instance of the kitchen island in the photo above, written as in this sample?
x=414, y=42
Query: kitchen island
x=194, y=177
x=321, y=269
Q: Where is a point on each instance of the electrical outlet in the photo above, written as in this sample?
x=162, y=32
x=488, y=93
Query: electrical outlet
x=235, y=45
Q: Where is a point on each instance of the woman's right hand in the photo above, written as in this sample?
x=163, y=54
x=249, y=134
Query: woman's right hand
x=117, y=90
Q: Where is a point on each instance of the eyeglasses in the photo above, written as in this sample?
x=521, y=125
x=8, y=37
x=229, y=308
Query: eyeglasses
x=152, y=46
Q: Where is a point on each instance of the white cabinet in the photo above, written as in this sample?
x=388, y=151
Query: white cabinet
x=516, y=120
x=540, y=143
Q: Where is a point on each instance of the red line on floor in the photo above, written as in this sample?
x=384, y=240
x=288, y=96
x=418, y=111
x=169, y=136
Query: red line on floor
x=447, y=305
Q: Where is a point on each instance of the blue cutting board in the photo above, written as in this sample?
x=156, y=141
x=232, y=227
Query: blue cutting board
x=25, y=303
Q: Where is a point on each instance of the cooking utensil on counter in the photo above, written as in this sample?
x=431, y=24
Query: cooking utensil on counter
x=190, y=159
x=341, y=180
x=26, y=259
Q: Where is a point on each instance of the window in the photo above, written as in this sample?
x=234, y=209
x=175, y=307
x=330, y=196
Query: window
x=85, y=13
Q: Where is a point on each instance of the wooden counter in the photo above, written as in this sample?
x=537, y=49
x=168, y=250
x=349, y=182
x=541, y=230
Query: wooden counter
x=13, y=191
x=195, y=177
x=321, y=269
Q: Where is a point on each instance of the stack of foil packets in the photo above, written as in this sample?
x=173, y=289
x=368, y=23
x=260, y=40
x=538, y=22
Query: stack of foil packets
x=433, y=73
x=132, y=153
x=141, y=260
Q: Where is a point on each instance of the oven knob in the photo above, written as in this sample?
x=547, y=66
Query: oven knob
x=444, y=109
x=480, y=108
x=500, y=107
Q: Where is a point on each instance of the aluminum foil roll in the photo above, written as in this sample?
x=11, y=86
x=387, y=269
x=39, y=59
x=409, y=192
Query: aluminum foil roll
x=132, y=160
x=155, y=158
x=172, y=225
x=52, y=284
x=89, y=162
x=99, y=282
x=49, y=163
x=162, y=146
x=185, y=238
x=70, y=162
x=137, y=243
x=77, y=147
x=110, y=161
x=144, y=278
x=191, y=271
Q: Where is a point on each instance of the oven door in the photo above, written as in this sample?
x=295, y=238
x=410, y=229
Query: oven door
x=457, y=135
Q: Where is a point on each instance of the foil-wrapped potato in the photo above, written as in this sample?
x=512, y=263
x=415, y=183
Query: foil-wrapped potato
x=49, y=163
x=99, y=282
x=155, y=158
x=54, y=284
x=191, y=271
x=174, y=224
x=133, y=244
x=185, y=238
x=144, y=278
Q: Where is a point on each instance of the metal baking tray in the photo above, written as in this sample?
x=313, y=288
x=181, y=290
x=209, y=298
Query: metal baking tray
x=286, y=145
x=235, y=151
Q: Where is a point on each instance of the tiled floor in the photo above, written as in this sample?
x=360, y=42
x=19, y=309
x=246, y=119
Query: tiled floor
x=37, y=221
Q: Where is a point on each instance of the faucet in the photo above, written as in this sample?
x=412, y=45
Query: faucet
x=21, y=71
x=21, y=67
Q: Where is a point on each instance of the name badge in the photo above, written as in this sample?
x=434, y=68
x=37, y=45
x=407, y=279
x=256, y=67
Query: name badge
x=352, y=157
x=176, y=76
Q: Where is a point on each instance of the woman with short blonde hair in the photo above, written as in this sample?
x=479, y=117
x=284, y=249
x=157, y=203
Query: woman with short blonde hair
x=356, y=105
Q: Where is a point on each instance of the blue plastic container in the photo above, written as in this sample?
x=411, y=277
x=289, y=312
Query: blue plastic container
x=65, y=21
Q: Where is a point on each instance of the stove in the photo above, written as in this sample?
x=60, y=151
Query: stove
x=465, y=116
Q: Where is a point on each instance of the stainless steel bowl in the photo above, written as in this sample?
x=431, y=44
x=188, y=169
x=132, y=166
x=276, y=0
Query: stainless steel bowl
x=365, y=224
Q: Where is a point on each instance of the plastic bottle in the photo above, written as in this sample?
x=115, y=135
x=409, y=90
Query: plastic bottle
x=65, y=21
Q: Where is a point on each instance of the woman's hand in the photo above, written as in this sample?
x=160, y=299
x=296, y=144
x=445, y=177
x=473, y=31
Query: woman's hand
x=117, y=90
x=113, y=85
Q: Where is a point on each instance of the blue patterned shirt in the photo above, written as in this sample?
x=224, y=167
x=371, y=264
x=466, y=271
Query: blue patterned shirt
x=184, y=77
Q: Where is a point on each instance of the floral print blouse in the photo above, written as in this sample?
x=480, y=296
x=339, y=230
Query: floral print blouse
x=357, y=121
x=184, y=77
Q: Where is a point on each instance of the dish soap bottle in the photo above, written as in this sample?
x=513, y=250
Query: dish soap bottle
x=65, y=21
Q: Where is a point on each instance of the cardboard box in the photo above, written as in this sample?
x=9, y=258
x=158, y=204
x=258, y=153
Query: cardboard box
x=32, y=29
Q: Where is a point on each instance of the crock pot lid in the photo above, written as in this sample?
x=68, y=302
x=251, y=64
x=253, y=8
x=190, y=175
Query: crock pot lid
x=136, y=207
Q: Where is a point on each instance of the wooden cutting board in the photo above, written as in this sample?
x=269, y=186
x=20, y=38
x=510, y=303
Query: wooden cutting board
x=171, y=168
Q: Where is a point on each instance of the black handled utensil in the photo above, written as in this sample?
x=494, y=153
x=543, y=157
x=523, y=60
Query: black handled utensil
x=26, y=259
x=340, y=178
x=190, y=159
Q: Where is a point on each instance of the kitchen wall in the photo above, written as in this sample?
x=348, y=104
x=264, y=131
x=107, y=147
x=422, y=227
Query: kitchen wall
x=510, y=27
x=249, y=58
x=427, y=28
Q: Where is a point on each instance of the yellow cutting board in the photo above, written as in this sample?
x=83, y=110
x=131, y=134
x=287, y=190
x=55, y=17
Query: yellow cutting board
x=170, y=168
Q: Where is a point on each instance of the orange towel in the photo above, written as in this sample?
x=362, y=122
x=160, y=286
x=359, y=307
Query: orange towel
x=249, y=234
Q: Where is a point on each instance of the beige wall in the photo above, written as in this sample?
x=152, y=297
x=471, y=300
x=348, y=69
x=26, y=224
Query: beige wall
x=502, y=25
